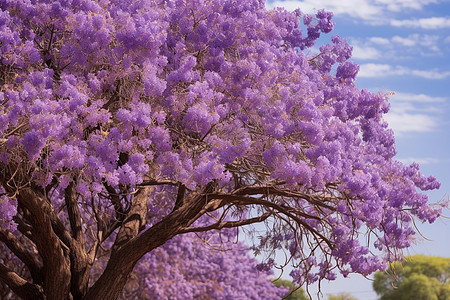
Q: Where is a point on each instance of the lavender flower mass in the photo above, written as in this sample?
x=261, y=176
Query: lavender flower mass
x=139, y=138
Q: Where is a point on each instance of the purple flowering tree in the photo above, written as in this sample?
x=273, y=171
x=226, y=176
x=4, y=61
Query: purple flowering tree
x=132, y=133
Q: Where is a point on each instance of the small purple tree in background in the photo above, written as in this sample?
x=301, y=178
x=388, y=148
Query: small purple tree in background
x=211, y=266
x=128, y=126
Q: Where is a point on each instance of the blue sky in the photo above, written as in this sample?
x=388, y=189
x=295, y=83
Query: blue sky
x=402, y=46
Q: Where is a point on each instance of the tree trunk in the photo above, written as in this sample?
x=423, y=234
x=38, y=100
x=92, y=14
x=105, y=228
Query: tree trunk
x=124, y=258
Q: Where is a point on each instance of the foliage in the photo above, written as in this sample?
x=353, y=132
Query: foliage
x=417, y=277
x=295, y=292
x=124, y=124
x=342, y=296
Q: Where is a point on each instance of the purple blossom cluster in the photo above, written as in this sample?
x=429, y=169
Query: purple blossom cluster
x=109, y=95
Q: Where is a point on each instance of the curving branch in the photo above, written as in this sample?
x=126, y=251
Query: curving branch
x=16, y=246
x=44, y=221
x=20, y=286
x=289, y=212
x=130, y=247
x=272, y=190
x=228, y=224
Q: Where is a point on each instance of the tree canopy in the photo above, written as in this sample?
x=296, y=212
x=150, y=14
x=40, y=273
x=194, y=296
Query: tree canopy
x=418, y=277
x=341, y=296
x=294, y=292
x=125, y=124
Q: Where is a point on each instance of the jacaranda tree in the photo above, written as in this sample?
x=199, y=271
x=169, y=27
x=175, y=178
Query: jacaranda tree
x=419, y=277
x=125, y=125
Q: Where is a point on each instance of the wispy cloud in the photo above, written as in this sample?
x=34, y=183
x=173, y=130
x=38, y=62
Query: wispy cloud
x=379, y=40
x=360, y=9
x=403, y=123
x=369, y=10
x=425, y=23
x=421, y=160
x=365, y=52
x=397, y=47
x=409, y=97
x=383, y=70
x=414, y=113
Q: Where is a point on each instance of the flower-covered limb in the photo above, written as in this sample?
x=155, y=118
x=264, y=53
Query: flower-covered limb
x=118, y=115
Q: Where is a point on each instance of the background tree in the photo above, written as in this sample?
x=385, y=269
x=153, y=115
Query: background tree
x=342, y=296
x=294, y=293
x=419, y=277
x=124, y=124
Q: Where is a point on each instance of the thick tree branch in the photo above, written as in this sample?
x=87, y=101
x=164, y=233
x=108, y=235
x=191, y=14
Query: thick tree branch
x=71, y=199
x=135, y=218
x=125, y=255
x=20, y=286
x=16, y=247
x=56, y=267
x=79, y=264
x=158, y=182
x=180, y=196
x=23, y=226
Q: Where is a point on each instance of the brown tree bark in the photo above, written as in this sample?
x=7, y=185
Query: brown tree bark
x=127, y=252
x=20, y=286
x=56, y=265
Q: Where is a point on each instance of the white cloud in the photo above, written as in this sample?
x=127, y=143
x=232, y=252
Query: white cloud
x=420, y=161
x=410, y=122
x=430, y=74
x=404, y=41
x=379, y=40
x=409, y=97
x=425, y=23
x=288, y=5
x=427, y=41
x=363, y=9
x=363, y=53
x=414, y=113
x=398, y=5
x=369, y=10
x=397, y=47
x=379, y=70
x=383, y=70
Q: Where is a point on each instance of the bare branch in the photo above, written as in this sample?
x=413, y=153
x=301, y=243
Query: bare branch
x=228, y=224
x=272, y=190
x=290, y=212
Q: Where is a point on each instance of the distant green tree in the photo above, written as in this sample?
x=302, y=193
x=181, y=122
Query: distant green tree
x=342, y=296
x=298, y=294
x=419, y=277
